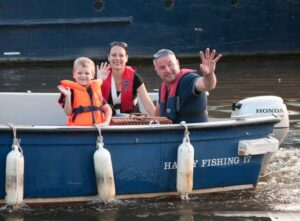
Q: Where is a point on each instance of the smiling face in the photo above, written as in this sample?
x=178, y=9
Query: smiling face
x=167, y=68
x=83, y=75
x=117, y=58
x=83, y=71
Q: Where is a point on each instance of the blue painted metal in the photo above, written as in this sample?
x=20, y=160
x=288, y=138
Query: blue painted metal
x=65, y=29
x=59, y=162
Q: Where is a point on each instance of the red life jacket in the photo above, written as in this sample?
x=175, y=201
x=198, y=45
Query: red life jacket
x=86, y=111
x=126, y=89
x=169, y=99
x=172, y=92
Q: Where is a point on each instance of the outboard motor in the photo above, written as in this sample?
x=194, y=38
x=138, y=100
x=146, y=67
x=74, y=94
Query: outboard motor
x=263, y=106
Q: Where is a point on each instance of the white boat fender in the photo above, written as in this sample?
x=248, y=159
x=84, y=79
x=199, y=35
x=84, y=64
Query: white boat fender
x=185, y=165
x=14, y=174
x=103, y=171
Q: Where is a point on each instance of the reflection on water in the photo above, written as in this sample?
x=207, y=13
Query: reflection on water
x=152, y=212
x=278, y=189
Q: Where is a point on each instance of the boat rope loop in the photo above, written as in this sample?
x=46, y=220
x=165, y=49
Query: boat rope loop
x=16, y=141
x=100, y=137
x=186, y=131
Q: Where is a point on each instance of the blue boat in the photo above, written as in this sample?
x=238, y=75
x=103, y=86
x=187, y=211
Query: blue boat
x=63, y=30
x=230, y=154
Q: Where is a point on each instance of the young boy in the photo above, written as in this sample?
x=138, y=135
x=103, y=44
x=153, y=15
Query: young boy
x=82, y=100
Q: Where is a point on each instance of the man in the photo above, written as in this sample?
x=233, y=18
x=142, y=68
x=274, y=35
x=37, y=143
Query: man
x=182, y=95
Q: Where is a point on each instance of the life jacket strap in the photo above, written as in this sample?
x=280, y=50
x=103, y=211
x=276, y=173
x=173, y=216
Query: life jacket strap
x=84, y=109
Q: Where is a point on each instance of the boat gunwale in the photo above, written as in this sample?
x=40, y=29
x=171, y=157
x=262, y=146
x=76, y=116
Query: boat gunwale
x=230, y=122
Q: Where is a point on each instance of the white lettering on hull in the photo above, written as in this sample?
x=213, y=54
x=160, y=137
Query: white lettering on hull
x=213, y=162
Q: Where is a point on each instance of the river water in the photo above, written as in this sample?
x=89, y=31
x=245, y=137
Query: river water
x=277, y=196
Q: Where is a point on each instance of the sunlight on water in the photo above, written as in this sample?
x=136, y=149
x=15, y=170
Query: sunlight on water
x=282, y=182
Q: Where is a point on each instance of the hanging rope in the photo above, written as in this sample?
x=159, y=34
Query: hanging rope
x=186, y=131
x=100, y=137
x=16, y=141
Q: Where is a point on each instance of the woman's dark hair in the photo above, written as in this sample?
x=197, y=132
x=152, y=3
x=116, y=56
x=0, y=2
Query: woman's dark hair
x=118, y=43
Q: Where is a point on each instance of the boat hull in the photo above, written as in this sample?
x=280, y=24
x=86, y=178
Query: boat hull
x=59, y=160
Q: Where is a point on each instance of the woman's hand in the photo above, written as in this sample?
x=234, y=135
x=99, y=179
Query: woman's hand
x=103, y=70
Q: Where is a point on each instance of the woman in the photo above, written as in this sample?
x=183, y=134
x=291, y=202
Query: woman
x=121, y=83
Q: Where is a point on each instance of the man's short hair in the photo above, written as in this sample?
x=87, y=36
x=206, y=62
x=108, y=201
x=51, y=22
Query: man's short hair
x=162, y=53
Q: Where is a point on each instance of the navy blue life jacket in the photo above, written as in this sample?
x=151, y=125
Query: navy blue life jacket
x=170, y=103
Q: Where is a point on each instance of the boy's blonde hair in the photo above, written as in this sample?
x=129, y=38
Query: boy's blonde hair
x=84, y=62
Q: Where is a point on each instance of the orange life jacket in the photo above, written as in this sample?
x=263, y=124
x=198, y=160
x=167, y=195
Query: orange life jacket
x=87, y=108
x=127, y=104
